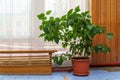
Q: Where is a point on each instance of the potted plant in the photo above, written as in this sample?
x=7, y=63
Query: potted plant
x=76, y=31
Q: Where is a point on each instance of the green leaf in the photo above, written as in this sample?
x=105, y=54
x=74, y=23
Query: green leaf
x=59, y=59
x=64, y=44
x=57, y=40
x=41, y=16
x=42, y=35
x=100, y=29
x=46, y=30
x=77, y=9
x=89, y=16
x=55, y=59
x=63, y=58
x=90, y=27
x=100, y=46
x=105, y=49
x=109, y=35
x=51, y=18
x=48, y=12
x=96, y=49
x=85, y=14
x=57, y=19
x=70, y=12
x=41, y=27
x=63, y=17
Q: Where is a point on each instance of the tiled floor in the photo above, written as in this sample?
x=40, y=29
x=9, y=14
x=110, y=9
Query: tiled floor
x=94, y=75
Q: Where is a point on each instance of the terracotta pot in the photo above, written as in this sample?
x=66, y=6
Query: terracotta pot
x=80, y=66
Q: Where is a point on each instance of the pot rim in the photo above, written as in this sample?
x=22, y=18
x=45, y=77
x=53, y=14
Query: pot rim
x=80, y=58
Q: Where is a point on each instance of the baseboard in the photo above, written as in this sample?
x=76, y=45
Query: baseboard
x=69, y=69
x=62, y=69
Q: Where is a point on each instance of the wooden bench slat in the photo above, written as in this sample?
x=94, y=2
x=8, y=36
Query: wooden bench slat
x=24, y=56
x=28, y=51
x=28, y=60
x=24, y=64
x=32, y=64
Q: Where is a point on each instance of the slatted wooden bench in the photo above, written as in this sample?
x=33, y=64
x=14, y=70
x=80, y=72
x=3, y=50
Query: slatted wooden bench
x=16, y=62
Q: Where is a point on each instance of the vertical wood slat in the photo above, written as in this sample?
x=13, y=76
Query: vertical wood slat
x=100, y=38
x=106, y=23
x=113, y=30
x=95, y=21
x=99, y=22
x=118, y=28
x=107, y=13
x=101, y=13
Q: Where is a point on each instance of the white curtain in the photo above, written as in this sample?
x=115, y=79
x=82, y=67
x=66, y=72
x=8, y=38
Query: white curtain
x=60, y=7
x=19, y=25
x=15, y=24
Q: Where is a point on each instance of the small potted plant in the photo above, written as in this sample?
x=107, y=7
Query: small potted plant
x=76, y=31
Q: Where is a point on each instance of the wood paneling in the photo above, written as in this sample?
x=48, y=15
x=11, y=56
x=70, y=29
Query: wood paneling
x=118, y=28
x=113, y=27
x=95, y=11
x=107, y=14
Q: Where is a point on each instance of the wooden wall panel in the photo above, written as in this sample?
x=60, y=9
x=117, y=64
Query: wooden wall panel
x=105, y=21
x=113, y=27
x=105, y=13
x=99, y=39
x=118, y=28
x=95, y=11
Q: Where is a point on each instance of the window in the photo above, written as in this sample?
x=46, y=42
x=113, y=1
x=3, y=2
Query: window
x=14, y=19
x=19, y=25
x=60, y=7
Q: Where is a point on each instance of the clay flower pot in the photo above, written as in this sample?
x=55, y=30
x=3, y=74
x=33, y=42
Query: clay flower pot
x=80, y=66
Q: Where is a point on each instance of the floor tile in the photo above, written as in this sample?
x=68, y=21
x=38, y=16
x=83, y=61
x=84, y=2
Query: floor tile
x=94, y=75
